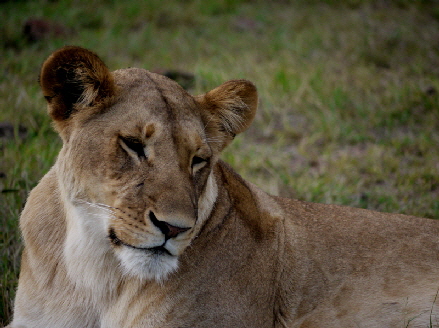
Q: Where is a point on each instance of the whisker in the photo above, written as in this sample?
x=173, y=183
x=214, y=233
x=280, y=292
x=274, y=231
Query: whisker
x=98, y=205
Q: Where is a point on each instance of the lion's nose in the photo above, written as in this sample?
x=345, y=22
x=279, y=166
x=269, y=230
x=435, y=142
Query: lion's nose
x=167, y=229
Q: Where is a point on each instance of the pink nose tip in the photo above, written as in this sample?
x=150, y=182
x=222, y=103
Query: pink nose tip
x=172, y=231
x=167, y=229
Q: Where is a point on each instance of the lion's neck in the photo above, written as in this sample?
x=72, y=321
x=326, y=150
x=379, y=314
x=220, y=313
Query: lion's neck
x=91, y=266
x=240, y=196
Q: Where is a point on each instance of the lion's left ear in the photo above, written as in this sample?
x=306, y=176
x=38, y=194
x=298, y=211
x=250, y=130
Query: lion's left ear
x=228, y=110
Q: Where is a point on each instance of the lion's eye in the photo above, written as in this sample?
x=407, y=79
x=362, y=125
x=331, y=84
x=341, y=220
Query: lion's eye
x=198, y=162
x=134, y=145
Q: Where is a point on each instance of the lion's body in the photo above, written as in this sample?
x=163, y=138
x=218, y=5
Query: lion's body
x=127, y=241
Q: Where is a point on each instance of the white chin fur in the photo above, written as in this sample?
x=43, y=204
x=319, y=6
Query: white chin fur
x=145, y=265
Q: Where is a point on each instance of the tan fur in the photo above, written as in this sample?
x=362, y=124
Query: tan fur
x=139, y=169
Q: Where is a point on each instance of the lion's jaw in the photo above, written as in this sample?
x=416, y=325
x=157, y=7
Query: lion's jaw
x=157, y=257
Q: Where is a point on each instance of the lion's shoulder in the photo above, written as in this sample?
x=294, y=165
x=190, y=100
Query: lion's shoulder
x=43, y=207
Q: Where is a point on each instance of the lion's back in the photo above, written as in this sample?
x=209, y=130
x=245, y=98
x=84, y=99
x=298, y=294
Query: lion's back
x=355, y=265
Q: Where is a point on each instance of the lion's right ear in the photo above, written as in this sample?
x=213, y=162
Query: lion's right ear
x=74, y=79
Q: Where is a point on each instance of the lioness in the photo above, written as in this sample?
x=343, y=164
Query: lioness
x=139, y=224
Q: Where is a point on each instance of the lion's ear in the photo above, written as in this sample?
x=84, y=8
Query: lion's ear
x=228, y=110
x=73, y=79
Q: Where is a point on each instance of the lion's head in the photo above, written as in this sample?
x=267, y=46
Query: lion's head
x=138, y=153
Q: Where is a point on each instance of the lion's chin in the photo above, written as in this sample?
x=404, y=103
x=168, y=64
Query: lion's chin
x=146, y=264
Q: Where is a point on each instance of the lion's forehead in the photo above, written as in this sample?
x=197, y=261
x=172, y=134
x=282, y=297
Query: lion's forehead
x=139, y=82
x=147, y=99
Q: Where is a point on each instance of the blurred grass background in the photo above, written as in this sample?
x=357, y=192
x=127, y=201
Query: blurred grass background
x=348, y=93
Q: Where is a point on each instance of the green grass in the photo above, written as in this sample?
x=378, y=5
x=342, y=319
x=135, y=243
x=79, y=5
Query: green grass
x=349, y=94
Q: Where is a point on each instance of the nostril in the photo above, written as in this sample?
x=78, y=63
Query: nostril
x=174, y=231
x=167, y=229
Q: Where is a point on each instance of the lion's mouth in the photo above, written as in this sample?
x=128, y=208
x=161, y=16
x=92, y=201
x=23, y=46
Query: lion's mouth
x=157, y=250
